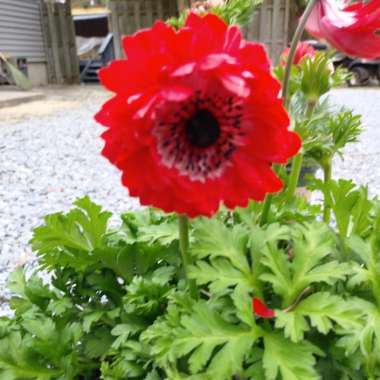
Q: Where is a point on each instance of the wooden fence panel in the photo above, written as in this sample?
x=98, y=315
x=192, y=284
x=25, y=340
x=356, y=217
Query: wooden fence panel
x=128, y=16
x=59, y=34
x=269, y=25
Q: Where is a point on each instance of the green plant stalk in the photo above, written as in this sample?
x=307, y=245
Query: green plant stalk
x=375, y=278
x=375, y=247
x=266, y=209
x=370, y=363
x=327, y=175
x=285, y=91
x=292, y=51
x=294, y=175
x=183, y=227
x=297, y=160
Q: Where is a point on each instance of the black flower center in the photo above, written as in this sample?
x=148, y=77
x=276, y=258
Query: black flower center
x=200, y=134
x=202, y=129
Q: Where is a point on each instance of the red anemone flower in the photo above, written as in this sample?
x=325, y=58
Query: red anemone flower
x=196, y=120
x=304, y=49
x=353, y=29
x=260, y=309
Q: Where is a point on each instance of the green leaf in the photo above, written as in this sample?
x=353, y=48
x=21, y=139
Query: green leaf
x=345, y=128
x=315, y=73
x=98, y=343
x=132, y=361
x=38, y=348
x=164, y=234
x=219, y=273
x=124, y=331
x=221, y=256
x=90, y=318
x=278, y=270
x=28, y=293
x=237, y=11
x=16, y=360
x=350, y=205
x=70, y=239
x=203, y=332
x=60, y=306
x=368, y=273
x=365, y=337
x=214, y=346
x=306, y=261
x=233, y=12
x=213, y=239
x=294, y=324
x=16, y=75
x=242, y=300
x=322, y=309
x=293, y=361
x=148, y=296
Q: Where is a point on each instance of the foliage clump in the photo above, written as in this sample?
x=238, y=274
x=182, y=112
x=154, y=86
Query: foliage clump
x=117, y=306
x=237, y=12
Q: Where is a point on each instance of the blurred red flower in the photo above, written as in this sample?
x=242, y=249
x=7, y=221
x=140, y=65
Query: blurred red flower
x=304, y=49
x=196, y=120
x=352, y=29
x=260, y=309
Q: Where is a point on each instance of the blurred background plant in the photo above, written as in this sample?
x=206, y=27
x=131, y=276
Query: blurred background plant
x=232, y=11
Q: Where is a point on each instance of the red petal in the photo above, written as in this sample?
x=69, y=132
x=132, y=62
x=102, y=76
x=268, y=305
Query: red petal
x=184, y=70
x=212, y=61
x=208, y=34
x=233, y=39
x=254, y=57
x=304, y=49
x=125, y=77
x=261, y=309
x=176, y=93
x=235, y=84
x=351, y=30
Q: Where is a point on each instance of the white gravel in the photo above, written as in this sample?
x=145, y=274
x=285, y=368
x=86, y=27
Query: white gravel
x=362, y=160
x=48, y=160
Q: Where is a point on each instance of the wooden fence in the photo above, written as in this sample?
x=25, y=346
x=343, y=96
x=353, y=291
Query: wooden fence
x=59, y=34
x=269, y=24
x=128, y=16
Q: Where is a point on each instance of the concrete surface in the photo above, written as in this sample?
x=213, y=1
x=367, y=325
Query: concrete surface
x=11, y=98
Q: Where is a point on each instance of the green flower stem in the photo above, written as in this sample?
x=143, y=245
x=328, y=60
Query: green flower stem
x=183, y=227
x=375, y=247
x=327, y=175
x=292, y=51
x=375, y=277
x=294, y=175
x=266, y=209
x=267, y=203
x=285, y=90
x=297, y=160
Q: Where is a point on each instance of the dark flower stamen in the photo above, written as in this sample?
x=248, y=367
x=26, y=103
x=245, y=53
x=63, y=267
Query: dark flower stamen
x=202, y=129
x=200, y=137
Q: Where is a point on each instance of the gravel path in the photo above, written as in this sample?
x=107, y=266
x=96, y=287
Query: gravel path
x=362, y=160
x=46, y=162
x=49, y=156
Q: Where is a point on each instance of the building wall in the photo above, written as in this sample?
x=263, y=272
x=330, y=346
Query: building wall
x=21, y=35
